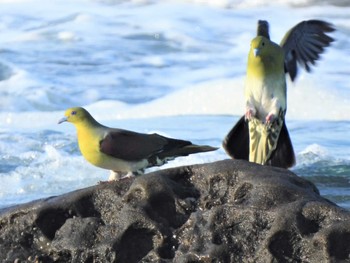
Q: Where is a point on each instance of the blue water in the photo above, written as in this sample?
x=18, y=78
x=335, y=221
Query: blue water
x=172, y=67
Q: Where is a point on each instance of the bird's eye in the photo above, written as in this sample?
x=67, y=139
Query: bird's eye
x=73, y=112
x=263, y=43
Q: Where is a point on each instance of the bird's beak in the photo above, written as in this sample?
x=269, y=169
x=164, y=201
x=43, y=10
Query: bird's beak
x=62, y=120
x=256, y=52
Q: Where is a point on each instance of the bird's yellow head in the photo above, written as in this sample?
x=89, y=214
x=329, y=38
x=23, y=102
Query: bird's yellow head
x=76, y=115
x=260, y=46
x=265, y=57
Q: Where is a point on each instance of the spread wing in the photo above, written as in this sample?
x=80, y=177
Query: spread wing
x=131, y=146
x=304, y=43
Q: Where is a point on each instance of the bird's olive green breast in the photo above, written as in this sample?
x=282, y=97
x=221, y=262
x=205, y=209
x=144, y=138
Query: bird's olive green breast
x=89, y=143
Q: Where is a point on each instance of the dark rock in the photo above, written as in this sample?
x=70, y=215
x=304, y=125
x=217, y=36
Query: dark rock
x=228, y=211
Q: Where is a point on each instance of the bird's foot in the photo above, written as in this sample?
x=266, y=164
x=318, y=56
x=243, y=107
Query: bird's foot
x=127, y=176
x=114, y=176
x=250, y=113
x=117, y=176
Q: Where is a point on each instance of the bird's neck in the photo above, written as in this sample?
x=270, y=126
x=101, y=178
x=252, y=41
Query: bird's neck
x=89, y=125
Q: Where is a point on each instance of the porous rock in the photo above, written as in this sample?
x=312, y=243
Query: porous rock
x=227, y=211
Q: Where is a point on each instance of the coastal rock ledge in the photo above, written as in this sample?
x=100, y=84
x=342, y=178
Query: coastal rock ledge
x=227, y=211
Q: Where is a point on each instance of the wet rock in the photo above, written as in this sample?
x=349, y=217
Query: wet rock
x=227, y=211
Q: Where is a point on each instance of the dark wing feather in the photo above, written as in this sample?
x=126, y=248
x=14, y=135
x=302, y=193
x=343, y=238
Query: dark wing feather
x=304, y=43
x=131, y=146
x=236, y=142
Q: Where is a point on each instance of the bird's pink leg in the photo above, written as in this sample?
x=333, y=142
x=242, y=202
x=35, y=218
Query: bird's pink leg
x=270, y=118
x=250, y=113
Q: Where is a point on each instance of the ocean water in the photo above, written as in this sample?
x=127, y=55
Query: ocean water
x=172, y=67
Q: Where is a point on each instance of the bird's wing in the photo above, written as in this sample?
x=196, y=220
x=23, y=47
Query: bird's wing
x=304, y=43
x=131, y=146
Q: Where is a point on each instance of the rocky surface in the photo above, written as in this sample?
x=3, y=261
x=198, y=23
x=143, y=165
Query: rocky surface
x=228, y=211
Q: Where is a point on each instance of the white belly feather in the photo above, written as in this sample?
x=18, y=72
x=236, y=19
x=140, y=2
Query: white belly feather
x=265, y=96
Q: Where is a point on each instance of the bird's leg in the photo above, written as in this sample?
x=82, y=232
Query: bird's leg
x=250, y=109
x=274, y=116
x=270, y=118
x=250, y=112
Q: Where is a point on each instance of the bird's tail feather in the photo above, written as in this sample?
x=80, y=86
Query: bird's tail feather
x=263, y=139
x=263, y=29
x=236, y=145
x=186, y=150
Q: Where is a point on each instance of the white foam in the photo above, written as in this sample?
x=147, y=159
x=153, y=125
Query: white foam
x=312, y=99
x=216, y=97
x=66, y=36
x=315, y=152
